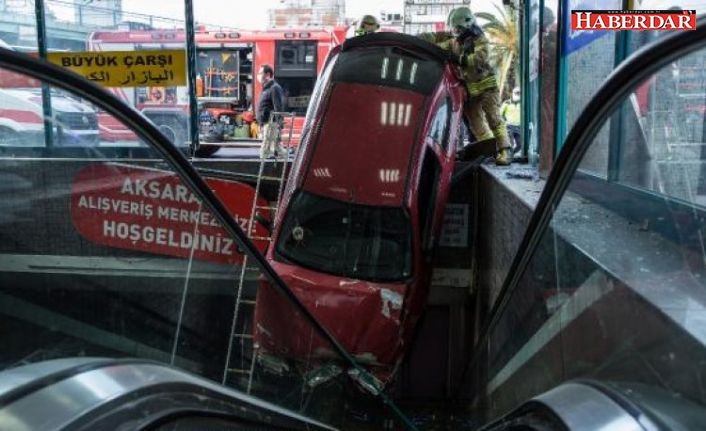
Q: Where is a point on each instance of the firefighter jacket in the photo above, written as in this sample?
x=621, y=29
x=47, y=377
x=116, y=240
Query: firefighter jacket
x=473, y=56
x=510, y=112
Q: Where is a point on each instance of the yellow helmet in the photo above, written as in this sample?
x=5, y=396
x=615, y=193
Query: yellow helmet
x=366, y=25
x=460, y=19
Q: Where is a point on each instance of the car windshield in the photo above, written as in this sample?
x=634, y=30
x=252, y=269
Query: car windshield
x=345, y=239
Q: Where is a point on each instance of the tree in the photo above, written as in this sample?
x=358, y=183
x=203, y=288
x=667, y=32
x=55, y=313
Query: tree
x=503, y=32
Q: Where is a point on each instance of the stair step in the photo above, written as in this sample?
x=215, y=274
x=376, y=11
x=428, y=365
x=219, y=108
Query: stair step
x=261, y=238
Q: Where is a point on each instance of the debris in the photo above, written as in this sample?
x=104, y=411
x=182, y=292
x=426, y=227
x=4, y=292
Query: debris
x=522, y=174
x=321, y=375
x=390, y=298
x=366, y=380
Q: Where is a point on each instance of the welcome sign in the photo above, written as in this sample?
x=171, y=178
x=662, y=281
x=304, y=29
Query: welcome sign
x=151, y=210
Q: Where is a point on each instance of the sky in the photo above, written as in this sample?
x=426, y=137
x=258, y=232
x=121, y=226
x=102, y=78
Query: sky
x=248, y=14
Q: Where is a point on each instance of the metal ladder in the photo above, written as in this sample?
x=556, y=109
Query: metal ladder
x=241, y=337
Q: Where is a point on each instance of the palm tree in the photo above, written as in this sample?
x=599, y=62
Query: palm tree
x=503, y=32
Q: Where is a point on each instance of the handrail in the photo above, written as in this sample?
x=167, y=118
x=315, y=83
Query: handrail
x=150, y=134
x=619, y=84
x=33, y=393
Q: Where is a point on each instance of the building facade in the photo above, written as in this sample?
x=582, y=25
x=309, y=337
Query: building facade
x=99, y=13
x=421, y=16
x=392, y=20
x=307, y=13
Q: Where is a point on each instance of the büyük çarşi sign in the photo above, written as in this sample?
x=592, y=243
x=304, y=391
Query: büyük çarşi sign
x=163, y=68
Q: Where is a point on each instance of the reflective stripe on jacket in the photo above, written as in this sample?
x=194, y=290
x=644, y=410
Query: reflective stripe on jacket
x=478, y=73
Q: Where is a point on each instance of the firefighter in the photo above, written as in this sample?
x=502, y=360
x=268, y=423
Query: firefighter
x=468, y=43
x=366, y=25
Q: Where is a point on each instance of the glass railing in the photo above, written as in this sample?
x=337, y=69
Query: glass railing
x=134, y=256
x=612, y=283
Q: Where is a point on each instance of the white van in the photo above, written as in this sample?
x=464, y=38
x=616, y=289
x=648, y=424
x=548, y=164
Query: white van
x=74, y=122
x=22, y=119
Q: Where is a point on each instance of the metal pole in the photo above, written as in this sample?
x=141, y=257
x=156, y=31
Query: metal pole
x=46, y=94
x=533, y=158
x=617, y=136
x=562, y=70
x=701, y=185
x=524, y=70
x=191, y=70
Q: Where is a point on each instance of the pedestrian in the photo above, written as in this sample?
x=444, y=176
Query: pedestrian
x=467, y=42
x=510, y=111
x=271, y=100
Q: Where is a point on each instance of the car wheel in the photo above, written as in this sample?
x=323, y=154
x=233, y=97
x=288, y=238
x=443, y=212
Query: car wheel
x=207, y=150
x=10, y=138
x=169, y=133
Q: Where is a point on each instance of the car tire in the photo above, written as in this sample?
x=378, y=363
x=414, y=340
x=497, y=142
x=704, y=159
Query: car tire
x=206, y=150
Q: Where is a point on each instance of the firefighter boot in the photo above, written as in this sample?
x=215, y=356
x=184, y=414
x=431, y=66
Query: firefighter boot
x=503, y=157
x=504, y=154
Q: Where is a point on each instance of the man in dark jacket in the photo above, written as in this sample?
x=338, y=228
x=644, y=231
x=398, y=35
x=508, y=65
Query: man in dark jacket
x=271, y=100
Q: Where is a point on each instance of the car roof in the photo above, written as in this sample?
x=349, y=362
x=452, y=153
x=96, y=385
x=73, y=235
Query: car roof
x=356, y=157
x=368, y=136
x=414, y=43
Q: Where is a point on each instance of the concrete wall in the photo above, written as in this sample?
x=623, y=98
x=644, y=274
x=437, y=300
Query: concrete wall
x=506, y=204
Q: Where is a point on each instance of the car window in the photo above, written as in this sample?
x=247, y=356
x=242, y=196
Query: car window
x=428, y=187
x=440, y=123
x=341, y=238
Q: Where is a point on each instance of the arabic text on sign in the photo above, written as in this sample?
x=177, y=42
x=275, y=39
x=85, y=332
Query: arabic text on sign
x=127, y=69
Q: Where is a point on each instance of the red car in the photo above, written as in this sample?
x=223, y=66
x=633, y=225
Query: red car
x=364, y=204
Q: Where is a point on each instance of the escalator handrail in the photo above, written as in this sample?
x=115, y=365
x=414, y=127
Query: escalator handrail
x=619, y=84
x=112, y=383
x=62, y=78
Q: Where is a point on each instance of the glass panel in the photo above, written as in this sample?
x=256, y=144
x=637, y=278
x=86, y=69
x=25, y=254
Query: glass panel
x=21, y=112
x=125, y=27
x=614, y=290
x=548, y=73
x=117, y=257
x=532, y=77
x=296, y=57
x=663, y=141
x=23, y=35
x=590, y=58
x=639, y=39
x=595, y=161
x=21, y=122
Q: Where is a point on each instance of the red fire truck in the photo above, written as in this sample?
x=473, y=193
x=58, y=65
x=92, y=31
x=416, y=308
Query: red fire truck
x=227, y=62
